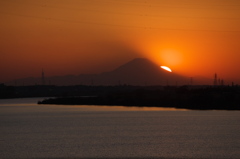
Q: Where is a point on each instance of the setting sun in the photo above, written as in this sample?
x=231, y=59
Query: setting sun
x=166, y=68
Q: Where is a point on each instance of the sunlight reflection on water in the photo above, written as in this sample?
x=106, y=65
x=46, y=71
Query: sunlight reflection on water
x=33, y=102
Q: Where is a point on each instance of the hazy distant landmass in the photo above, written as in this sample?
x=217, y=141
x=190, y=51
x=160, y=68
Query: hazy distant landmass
x=139, y=71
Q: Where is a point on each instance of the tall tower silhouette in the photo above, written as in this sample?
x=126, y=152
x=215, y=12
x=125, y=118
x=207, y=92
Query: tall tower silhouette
x=43, y=78
x=215, y=82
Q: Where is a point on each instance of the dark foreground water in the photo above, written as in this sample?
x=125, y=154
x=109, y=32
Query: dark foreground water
x=28, y=130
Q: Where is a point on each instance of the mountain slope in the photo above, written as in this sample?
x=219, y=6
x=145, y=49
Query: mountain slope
x=139, y=71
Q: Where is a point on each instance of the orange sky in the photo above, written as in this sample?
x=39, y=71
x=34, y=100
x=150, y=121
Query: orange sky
x=193, y=38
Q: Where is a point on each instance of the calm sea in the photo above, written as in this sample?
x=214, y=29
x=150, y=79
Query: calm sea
x=28, y=130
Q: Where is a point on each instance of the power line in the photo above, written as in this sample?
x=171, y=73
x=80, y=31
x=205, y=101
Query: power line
x=126, y=3
x=129, y=14
x=183, y=5
x=116, y=25
x=147, y=2
x=70, y=21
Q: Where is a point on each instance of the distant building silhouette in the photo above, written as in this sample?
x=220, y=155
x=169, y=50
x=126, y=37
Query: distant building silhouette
x=215, y=81
x=191, y=80
x=43, y=78
x=218, y=81
x=222, y=82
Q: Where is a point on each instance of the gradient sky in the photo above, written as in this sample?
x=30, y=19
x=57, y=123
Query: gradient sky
x=193, y=38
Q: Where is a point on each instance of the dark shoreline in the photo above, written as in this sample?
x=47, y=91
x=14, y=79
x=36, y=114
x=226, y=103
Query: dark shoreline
x=207, y=98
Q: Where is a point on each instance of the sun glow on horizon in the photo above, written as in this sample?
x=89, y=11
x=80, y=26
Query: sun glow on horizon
x=166, y=68
x=171, y=57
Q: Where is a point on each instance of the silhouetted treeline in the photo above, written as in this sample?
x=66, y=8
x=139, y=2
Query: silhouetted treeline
x=59, y=91
x=7, y=91
x=189, y=97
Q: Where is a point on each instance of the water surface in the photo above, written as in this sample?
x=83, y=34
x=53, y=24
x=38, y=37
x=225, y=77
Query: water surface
x=28, y=130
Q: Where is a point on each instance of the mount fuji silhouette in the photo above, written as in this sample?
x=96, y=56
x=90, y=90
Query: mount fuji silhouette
x=139, y=71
